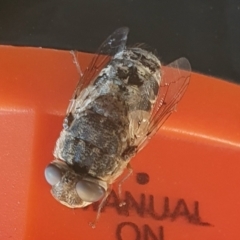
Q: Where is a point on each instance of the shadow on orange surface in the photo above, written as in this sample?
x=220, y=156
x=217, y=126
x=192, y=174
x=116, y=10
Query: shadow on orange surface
x=185, y=182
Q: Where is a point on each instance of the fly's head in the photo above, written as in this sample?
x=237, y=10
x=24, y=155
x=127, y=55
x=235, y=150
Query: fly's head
x=72, y=189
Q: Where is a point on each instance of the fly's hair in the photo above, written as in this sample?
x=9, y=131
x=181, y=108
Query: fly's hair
x=146, y=47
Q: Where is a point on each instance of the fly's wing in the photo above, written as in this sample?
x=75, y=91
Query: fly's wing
x=175, y=80
x=115, y=43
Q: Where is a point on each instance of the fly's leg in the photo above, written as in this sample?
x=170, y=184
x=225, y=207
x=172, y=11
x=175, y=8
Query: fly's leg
x=93, y=224
x=75, y=61
x=130, y=170
x=122, y=203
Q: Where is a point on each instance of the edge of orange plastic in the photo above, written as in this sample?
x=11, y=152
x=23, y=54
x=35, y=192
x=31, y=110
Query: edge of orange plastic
x=185, y=182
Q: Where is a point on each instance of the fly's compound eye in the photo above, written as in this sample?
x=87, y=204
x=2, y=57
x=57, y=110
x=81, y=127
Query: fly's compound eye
x=52, y=174
x=89, y=191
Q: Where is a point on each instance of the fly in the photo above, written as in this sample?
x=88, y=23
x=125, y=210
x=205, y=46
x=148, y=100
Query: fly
x=120, y=102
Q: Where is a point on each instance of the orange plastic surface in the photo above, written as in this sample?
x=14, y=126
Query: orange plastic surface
x=185, y=183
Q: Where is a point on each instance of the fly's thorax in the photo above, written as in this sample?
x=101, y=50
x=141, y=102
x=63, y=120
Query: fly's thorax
x=72, y=189
x=93, y=142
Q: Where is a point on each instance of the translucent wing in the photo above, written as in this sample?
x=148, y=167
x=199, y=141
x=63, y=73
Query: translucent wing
x=115, y=43
x=175, y=80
